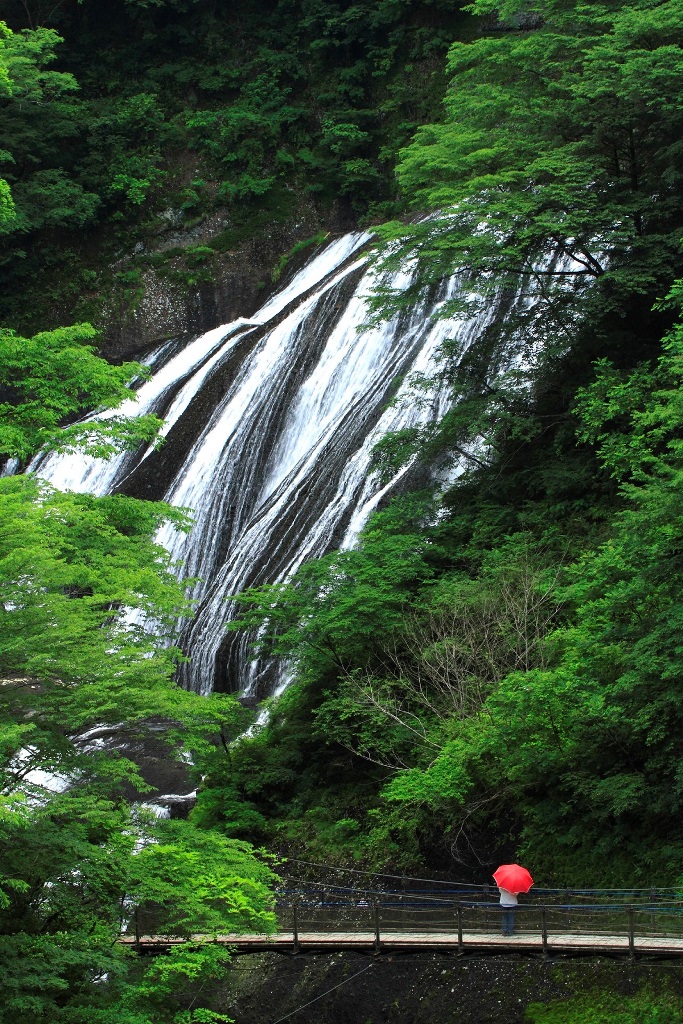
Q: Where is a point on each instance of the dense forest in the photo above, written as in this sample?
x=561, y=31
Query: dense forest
x=495, y=670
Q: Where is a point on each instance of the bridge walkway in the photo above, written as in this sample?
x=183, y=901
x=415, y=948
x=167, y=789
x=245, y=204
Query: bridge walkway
x=633, y=922
x=429, y=942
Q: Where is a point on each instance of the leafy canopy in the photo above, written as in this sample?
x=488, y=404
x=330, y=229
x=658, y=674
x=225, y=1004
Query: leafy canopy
x=583, y=741
x=80, y=859
x=40, y=115
x=556, y=170
x=55, y=376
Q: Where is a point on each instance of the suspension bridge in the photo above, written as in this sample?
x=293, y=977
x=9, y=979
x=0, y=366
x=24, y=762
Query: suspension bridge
x=457, y=919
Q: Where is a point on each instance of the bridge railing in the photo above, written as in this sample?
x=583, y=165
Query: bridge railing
x=542, y=915
x=450, y=918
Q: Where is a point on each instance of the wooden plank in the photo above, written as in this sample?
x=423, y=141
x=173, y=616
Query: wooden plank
x=427, y=940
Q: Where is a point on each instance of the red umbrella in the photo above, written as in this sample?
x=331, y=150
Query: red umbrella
x=513, y=877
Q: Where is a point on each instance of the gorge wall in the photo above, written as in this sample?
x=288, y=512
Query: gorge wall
x=422, y=988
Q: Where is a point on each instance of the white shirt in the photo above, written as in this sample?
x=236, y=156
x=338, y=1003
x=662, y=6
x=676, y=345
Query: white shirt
x=507, y=898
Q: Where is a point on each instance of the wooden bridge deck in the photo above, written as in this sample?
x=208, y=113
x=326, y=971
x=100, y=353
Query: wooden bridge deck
x=468, y=942
x=626, y=922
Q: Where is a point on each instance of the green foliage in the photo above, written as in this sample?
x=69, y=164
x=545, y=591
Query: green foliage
x=40, y=116
x=5, y=83
x=199, y=881
x=553, y=176
x=7, y=208
x=598, y=726
x=78, y=577
x=126, y=135
x=82, y=884
x=73, y=569
x=184, y=267
x=246, y=113
x=55, y=375
x=603, y=1008
x=75, y=564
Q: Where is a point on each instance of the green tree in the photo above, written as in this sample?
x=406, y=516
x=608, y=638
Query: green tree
x=89, y=606
x=586, y=746
x=308, y=617
x=55, y=376
x=554, y=177
x=86, y=880
x=41, y=116
x=7, y=211
x=73, y=570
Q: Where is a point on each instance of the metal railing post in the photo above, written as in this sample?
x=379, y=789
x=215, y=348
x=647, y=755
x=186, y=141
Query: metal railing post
x=460, y=941
x=544, y=931
x=631, y=932
x=295, y=926
x=378, y=940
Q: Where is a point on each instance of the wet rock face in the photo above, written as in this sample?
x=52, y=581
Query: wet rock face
x=173, y=792
x=240, y=281
x=421, y=988
x=167, y=311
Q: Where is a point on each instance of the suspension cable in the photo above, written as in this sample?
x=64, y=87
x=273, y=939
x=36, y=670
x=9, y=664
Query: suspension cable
x=339, y=985
x=465, y=885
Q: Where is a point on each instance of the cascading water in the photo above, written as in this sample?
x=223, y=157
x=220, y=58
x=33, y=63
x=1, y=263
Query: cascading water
x=270, y=424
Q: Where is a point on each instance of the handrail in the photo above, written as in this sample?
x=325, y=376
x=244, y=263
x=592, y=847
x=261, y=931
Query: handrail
x=457, y=925
x=461, y=923
x=459, y=917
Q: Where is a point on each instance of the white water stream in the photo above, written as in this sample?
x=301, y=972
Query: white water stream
x=270, y=424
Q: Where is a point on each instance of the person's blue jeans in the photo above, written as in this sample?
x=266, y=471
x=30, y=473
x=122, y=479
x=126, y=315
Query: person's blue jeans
x=508, y=920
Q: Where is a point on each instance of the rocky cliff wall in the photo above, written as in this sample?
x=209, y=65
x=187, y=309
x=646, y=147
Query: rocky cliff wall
x=190, y=277
x=427, y=988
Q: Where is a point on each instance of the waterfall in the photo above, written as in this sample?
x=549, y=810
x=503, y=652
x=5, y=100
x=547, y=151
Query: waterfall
x=269, y=428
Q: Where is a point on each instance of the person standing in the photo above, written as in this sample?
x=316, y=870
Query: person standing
x=511, y=879
x=508, y=903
